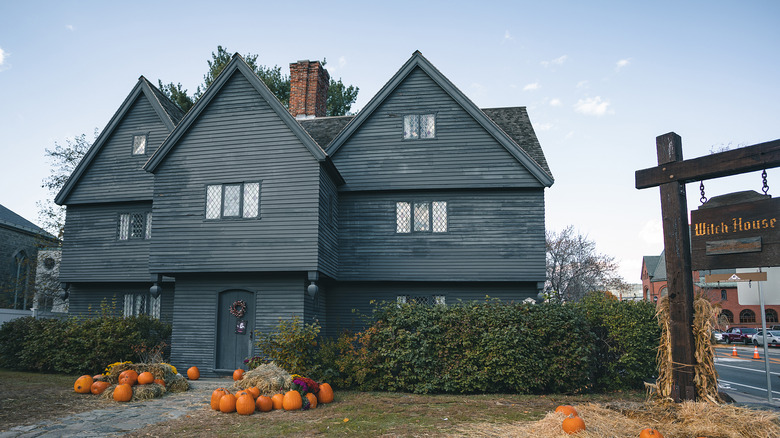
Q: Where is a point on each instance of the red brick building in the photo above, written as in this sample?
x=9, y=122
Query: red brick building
x=723, y=294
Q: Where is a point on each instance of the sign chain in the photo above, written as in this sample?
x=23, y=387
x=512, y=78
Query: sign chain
x=703, y=198
x=765, y=188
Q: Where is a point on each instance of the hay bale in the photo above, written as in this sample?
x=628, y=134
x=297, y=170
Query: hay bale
x=177, y=383
x=140, y=392
x=268, y=378
x=683, y=420
x=158, y=370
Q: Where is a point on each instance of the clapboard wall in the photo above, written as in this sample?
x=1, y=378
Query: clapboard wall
x=87, y=299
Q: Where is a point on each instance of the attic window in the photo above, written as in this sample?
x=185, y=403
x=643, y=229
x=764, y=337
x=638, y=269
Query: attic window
x=419, y=126
x=233, y=201
x=421, y=217
x=139, y=144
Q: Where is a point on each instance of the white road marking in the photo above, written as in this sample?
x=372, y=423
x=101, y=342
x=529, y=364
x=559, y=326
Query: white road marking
x=748, y=386
x=748, y=369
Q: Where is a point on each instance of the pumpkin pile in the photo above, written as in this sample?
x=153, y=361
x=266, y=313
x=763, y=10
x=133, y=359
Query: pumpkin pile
x=125, y=381
x=572, y=423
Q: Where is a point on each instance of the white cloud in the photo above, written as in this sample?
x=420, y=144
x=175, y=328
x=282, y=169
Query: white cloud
x=583, y=84
x=544, y=126
x=3, y=56
x=557, y=61
x=592, y=106
x=556, y=102
x=531, y=87
x=507, y=36
x=70, y=27
x=342, y=61
x=569, y=135
x=652, y=233
x=622, y=63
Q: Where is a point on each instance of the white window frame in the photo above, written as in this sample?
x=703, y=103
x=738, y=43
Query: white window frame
x=406, y=223
x=142, y=150
x=125, y=226
x=413, y=126
x=248, y=205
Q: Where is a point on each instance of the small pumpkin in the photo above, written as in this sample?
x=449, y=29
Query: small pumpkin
x=145, y=378
x=650, y=433
x=238, y=374
x=566, y=410
x=83, y=384
x=128, y=376
x=242, y=392
x=123, y=392
x=97, y=377
x=312, y=400
x=227, y=403
x=159, y=382
x=193, y=373
x=264, y=403
x=215, y=396
x=573, y=425
x=245, y=405
x=98, y=387
x=325, y=395
x=254, y=390
x=278, y=401
x=292, y=401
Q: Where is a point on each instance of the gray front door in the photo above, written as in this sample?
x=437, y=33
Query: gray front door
x=234, y=334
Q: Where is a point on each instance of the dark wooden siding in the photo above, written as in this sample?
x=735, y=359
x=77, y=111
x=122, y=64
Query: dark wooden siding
x=345, y=297
x=463, y=154
x=491, y=236
x=116, y=174
x=91, y=251
x=329, y=229
x=195, y=320
x=86, y=299
x=237, y=138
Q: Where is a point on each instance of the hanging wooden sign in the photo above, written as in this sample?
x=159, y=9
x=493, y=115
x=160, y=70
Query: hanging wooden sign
x=739, y=235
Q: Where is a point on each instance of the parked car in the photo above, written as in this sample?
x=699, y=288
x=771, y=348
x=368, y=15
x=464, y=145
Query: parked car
x=718, y=336
x=772, y=338
x=739, y=334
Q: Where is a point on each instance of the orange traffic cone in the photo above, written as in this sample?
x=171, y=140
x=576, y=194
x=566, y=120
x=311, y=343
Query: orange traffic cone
x=734, y=351
x=755, y=352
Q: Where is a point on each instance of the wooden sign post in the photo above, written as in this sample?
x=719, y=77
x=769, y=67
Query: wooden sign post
x=671, y=175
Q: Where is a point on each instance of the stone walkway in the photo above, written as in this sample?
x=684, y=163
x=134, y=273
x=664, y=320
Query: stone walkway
x=116, y=420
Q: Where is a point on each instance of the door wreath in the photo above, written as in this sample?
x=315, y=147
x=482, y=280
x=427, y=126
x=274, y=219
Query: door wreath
x=238, y=308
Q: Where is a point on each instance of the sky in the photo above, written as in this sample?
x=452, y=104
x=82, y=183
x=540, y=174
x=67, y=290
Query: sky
x=600, y=79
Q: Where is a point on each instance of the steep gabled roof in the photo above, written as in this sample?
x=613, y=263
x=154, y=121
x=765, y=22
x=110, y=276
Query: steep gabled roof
x=169, y=114
x=418, y=61
x=13, y=220
x=650, y=264
x=237, y=64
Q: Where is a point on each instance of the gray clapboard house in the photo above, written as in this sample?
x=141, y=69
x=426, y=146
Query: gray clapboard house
x=421, y=196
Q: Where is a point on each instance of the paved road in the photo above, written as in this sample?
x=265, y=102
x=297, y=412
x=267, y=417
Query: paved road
x=746, y=375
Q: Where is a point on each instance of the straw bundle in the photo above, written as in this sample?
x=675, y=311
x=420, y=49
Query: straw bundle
x=158, y=370
x=268, y=378
x=140, y=392
x=683, y=420
x=174, y=382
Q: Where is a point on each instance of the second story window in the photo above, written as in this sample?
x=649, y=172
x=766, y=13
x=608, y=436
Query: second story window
x=233, y=201
x=417, y=126
x=136, y=225
x=139, y=144
x=421, y=217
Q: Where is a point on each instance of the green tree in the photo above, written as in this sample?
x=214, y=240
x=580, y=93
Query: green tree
x=339, y=101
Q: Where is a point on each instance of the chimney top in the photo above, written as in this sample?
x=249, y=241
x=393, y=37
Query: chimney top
x=309, y=83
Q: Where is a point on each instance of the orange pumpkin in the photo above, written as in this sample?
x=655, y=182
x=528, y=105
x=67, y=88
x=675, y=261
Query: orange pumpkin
x=573, y=425
x=128, y=376
x=145, y=378
x=650, y=433
x=278, y=401
x=159, y=382
x=227, y=403
x=238, y=374
x=242, y=392
x=566, y=410
x=312, y=400
x=123, y=392
x=97, y=377
x=193, y=373
x=292, y=401
x=215, y=396
x=83, y=384
x=326, y=393
x=245, y=405
x=264, y=403
x=255, y=391
x=98, y=387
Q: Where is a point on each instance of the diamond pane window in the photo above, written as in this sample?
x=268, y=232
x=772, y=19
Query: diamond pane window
x=251, y=199
x=439, y=216
x=139, y=144
x=403, y=217
x=422, y=216
x=124, y=226
x=148, y=234
x=427, y=126
x=440, y=300
x=231, y=205
x=137, y=225
x=411, y=127
x=213, y=201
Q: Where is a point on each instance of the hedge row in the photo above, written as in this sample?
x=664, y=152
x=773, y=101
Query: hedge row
x=78, y=345
x=597, y=344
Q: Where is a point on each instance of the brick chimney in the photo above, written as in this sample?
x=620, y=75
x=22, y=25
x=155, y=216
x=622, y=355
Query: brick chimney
x=309, y=83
